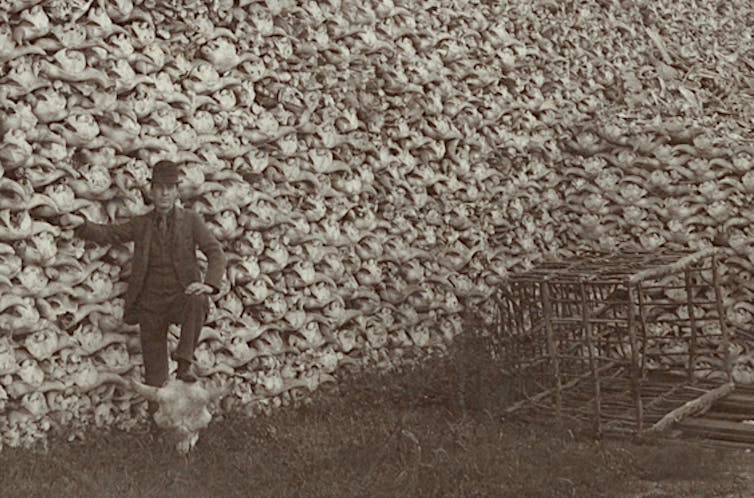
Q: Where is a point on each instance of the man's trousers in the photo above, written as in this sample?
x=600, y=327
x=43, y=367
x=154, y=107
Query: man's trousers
x=189, y=312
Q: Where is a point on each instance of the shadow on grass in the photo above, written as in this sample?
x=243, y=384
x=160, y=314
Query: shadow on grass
x=429, y=430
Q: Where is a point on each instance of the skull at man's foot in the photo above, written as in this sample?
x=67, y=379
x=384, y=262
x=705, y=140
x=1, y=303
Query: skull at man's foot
x=183, y=409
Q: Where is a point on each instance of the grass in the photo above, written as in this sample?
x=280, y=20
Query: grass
x=430, y=430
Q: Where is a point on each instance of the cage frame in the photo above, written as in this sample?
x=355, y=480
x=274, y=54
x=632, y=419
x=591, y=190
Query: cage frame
x=656, y=404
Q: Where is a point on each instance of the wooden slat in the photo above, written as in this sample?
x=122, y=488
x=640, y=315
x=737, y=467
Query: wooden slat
x=730, y=406
x=733, y=417
x=674, y=267
x=707, y=433
x=703, y=402
x=718, y=426
x=515, y=406
x=740, y=397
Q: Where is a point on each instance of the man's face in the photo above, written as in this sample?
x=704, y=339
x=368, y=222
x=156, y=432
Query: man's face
x=164, y=196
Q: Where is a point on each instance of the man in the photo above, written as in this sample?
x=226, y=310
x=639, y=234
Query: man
x=165, y=283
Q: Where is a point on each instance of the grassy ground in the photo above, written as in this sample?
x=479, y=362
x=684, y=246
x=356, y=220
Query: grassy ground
x=429, y=431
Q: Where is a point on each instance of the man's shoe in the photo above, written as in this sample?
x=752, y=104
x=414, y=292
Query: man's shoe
x=184, y=372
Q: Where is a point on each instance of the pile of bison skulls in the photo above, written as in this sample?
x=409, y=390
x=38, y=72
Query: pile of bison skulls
x=373, y=170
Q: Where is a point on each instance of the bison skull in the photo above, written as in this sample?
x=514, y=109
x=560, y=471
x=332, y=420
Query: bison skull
x=183, y=409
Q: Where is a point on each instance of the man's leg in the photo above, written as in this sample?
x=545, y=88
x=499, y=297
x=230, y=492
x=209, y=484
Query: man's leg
x=190, y=312
x=153, y=329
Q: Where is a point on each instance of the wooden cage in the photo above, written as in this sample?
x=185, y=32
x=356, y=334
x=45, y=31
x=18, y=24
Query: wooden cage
x=630, y=342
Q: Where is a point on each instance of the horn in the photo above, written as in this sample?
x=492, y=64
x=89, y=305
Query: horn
x=151, y=393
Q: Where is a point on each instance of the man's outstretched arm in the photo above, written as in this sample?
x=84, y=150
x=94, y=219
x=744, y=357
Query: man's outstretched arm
x=97, y=232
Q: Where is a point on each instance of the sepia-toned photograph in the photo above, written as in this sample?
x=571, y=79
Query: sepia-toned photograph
x=377, y=248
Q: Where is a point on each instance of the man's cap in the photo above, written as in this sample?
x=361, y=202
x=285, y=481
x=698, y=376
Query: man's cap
x=165, y=172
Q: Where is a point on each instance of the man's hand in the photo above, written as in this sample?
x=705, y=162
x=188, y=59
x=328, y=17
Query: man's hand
x=198, y=288
x=68, y=220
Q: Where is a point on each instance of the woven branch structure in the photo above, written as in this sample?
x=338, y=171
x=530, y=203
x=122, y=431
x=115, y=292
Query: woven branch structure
x=620, y=340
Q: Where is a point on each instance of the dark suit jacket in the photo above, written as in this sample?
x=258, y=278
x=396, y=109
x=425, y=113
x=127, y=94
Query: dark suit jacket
x=189, y=232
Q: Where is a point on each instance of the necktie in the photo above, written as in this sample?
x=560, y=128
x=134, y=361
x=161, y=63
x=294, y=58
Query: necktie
x=162, y=225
